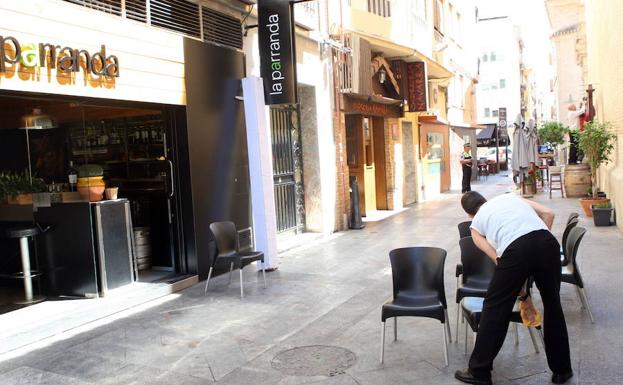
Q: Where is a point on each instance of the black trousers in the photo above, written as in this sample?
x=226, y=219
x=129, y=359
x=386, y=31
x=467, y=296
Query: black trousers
x=466, y=185
x=536, y=254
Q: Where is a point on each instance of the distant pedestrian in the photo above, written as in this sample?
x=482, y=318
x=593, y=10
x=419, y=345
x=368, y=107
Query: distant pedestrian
x=466, y=164
x=515, y=234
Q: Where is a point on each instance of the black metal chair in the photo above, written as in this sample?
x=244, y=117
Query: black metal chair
x=417, y=275
x=228, y=250
x=476, y=272
x=571, y=272
x=571, y=223
x=472, y=310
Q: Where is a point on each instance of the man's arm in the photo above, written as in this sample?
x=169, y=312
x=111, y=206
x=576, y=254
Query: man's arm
x=546, y=214
x=482, y=243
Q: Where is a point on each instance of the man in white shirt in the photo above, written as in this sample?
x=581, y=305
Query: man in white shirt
x=515, y=234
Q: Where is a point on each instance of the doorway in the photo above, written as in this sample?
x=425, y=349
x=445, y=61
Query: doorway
x=435, y=159
x=365, y=154
x=135, y=146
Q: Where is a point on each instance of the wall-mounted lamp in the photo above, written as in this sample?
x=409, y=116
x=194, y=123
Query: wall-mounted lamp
x=382, y=76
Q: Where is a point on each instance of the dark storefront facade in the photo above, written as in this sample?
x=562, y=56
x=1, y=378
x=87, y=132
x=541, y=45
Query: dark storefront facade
x=151, y=102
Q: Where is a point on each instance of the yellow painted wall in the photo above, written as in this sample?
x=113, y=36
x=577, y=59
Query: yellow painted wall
x=151, y=60
x=604, y=34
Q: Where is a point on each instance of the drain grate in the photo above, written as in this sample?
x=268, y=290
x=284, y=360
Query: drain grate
x=314, y=360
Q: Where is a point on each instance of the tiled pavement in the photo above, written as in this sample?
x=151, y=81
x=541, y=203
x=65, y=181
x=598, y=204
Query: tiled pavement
x=329, y=293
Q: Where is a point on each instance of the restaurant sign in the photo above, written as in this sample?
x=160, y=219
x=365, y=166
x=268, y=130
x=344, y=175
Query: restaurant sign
x=49, y=55
x=502, y=124
x=365, y=107
x=416, y=90
x=277, y=53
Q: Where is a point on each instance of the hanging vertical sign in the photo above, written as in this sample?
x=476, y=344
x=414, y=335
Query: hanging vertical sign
x=416, y=89
x=277, y=52
x=502, y=124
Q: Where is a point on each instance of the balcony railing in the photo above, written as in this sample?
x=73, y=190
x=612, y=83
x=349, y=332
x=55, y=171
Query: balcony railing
x=306, y=14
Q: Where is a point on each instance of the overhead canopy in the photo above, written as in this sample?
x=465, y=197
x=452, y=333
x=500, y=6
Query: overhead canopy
x=487, y=137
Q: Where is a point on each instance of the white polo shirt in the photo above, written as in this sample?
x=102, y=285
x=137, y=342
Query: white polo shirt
x=505, y=218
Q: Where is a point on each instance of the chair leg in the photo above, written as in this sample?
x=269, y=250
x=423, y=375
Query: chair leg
x=458, y=315
x=465, y=338
x=540, y=330
x=588, y=307
x=231, y=267
x=447, y=323
x=395, y=329
x=264, y=274
x=577, y=291
x=516, y=333
x=446, y=329
x=205, y=291
x=474, y=334
x=241, y=285
x=382, y=341
x=536, y=346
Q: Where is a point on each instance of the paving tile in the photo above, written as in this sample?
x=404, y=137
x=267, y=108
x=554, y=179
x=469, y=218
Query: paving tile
x=30, y=376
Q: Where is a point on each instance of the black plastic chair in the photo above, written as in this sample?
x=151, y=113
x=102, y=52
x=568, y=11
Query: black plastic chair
x=571, y=272
x=464, y=229
x=572, y=216
x=228, y=250
x=571, y=223
x=472, y=309
x=477, y=271
x=417, y=275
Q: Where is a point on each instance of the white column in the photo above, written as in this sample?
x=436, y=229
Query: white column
x=260, y=170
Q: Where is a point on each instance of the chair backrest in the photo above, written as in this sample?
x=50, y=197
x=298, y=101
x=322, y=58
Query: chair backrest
x=226, y=238
x=476, y=264
x=572, y=216
x=571, y=224
x=571, y=249
x=418, y=271
x=464, y=230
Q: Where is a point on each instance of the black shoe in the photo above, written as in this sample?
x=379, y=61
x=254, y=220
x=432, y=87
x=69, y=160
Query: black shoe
x=467, y=377
x=561, y=378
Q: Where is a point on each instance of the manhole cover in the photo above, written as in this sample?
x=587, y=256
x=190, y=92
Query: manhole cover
x=315, y=360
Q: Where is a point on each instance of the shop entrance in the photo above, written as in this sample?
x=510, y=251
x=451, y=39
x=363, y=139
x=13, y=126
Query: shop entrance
x=435, y=159
x=365, y=153
x=135, y=147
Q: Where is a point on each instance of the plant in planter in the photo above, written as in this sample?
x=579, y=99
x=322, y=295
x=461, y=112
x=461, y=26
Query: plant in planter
x=597, y=143
x=602, y=213
x=16, y=187
x=552, y=133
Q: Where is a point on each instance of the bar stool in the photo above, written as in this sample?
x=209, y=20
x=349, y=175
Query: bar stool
x=556, y=181
x=24, y=233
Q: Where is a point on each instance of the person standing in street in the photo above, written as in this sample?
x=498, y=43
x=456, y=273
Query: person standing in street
x=466, y=164
x=575, y=117
x=515, y=234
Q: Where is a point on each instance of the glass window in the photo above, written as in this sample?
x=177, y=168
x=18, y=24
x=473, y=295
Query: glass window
x=485, y=57
x=487, y=112
x=502, y=83
x=495, y=113
x=493, y=56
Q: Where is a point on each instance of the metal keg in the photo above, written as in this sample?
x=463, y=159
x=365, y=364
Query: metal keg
x=142, y=247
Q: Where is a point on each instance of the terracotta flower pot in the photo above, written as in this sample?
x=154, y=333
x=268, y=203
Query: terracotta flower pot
x=91, y=188
x=587, y=204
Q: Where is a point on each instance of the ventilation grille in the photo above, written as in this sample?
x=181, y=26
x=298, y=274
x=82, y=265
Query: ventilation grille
x=175, y=15
x=136, y=10
x=221, y=29
x=112, y=7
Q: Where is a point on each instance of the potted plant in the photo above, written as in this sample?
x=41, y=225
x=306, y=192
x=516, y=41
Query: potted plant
x=552, y=133
x=597, y=143
x=602, y=213
x=17, y=188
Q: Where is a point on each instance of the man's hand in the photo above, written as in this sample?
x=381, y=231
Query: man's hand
x=482, y=243
x=546, y=214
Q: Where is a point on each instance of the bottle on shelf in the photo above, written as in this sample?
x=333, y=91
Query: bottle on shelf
x=72, y=176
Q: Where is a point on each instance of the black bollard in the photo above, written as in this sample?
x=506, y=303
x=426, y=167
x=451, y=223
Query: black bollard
x=355, y=214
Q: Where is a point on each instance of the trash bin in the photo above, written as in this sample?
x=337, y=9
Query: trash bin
x=355, y=214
